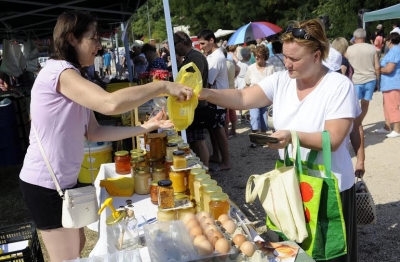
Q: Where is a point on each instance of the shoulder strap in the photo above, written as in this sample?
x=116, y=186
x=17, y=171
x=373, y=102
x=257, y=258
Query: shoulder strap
x=53, y=176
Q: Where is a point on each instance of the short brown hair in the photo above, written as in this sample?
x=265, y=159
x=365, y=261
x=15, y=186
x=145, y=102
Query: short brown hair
x=315, y=29
x=262, y=51
x=77, y=23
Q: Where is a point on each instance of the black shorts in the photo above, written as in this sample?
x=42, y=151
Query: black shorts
x=44, y=205
x=220, y=118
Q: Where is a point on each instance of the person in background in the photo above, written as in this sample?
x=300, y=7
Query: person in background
x=154, y=62
x=390, y=84
x=277, y=60
x=217, y=79
x=69, y=101
x=196, y=132
x=164, y=54
x=340, y=44
x=4, y=81
x=254, y=74
x=308, y=98
x=364, y=60
x=252, y=59
x=98, y=62
x=232, y=53
x=243, y=64
x=139, y=60
x=376, y=33
x=107, y=62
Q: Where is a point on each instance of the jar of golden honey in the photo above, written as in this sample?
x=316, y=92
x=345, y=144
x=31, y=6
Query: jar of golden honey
x=192, y=174
x=158, y=173
x=154, y=192
x=122, y=162
x=185, y=148
x=203, y=184
x=137, y=162
x=179, y=181
x=142, y=182
x=219, y=204
x=196, y=186
x=179, y=160
x=171, y=147
x=154, y=144
x=207, y=192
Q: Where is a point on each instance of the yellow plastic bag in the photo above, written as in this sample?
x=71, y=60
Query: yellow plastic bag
x=181, y=113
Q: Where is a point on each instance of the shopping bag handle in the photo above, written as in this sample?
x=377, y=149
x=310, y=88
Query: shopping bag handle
x=326, y=154
x=251, y=195
x=296, y=155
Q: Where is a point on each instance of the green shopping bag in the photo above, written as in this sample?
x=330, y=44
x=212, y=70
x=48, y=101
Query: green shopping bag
x=325, y=223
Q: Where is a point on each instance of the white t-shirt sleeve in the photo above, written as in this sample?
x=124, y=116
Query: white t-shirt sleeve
x=343, y=103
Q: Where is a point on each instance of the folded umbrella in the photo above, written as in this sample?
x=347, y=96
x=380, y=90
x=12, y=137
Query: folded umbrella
x=253, y=31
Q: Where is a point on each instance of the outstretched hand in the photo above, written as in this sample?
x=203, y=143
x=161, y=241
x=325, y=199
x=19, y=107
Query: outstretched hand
x=158, y=121
x=284, y=137
x=182, y=92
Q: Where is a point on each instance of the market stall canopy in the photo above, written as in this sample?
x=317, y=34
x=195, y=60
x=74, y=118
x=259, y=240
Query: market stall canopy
x=391, y=12
x=221, y=32
x=37, y=18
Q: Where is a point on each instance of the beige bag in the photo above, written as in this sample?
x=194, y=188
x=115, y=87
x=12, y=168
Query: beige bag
x=279, y=193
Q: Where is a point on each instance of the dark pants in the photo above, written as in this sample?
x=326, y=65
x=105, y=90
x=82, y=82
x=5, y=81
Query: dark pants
x=348, y=198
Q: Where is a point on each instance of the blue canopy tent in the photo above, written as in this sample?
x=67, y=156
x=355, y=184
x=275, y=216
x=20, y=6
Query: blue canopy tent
x=391, y=12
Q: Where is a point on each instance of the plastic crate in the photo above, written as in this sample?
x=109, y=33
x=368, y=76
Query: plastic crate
x=21, y=232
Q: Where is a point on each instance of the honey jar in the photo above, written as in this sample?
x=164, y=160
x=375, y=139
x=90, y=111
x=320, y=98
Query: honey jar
x=158, y=173
x=165, y=215
x=196, y=186
x=185, y=148
x=154, y=192
x=167, y=166
x=142, y=182
x=175, y=140
x=207, y=192
x=219, y=204
x=171, y=147
x=203, y=184
x=179, y=160
x=122, y=162
x=137, y=150
x=154, y=144
x=179, y=181
x=165, y=194
x=192, y=174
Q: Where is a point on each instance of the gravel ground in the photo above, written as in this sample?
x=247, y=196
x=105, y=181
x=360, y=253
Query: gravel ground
x=378, y=242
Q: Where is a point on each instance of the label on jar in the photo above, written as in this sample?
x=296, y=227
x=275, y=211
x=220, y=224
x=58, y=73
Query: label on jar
x=148, y=147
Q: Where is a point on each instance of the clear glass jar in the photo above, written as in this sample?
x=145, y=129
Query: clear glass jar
x=179, y=160
x=136, y=150
x=137, y=162
x=142, y=182
x=192, y=174
x=167, y=166
x=179, y=181
x=177, y=140
x=171, y=147
x=158, y=173
x=219, y=204
x=122, y=162
x=196, y=186
x=204, y=184
x=165, y=194
x=154, y=144
x=207, y=192
x=165, y=215
x=154, y=192
x=185, y=148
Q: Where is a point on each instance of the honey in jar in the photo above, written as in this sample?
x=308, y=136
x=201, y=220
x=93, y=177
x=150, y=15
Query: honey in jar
x=154, y=192
x=192, y=174
x=196, y=186
x=122, y=162
x=165, y=215
x=179, y=160
x=171, y=147
x=203, y=184
x=165, y=194
x=175, y=140
x=219, y=204
x=154, y=144
x=185, y=148
x=142, y=182
x=179, y=181
x=167, y=166
x=207, y=192
x=158, y=173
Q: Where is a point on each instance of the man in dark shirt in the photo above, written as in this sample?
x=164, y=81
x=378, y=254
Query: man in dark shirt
x=196, y=135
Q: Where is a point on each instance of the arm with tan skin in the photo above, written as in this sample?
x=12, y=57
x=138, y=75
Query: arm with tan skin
x=92, y=96
x=388, y=69
x=377, y=70
x=114, y=133
x=252, y=97
x=343, y=69
x=357, y=142
x=337, y=128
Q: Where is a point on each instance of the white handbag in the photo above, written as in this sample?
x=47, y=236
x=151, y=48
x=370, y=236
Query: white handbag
x=279, y=193
x=80, y=205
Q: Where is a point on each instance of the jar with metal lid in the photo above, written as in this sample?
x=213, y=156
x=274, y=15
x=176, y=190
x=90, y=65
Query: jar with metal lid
x=175, y=140
x=142, y=182
x=196, y=186
x=158, y=173
x=207, y=192
x=165, y=194
x=185, y=148
x=179, y=181
x=122, y=162
x=154, y=192
x=137, y=162
x=179, y=160
x=137, y=154
x=167, y=166
x=192, y=174
x=203, y=184
x=137, y=151
x=165, y=215
x=219, y=204
x=171, y=147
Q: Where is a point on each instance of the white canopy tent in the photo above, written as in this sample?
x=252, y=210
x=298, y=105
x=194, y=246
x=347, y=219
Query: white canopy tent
x=391, y=12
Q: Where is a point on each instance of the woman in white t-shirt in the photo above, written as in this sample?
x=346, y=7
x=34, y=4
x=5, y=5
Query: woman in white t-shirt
x=308, y=98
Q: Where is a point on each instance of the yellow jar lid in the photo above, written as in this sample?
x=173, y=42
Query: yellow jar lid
x=175, y=140
x=183, y=145
x=142, y=171
x=197, y=171
x=159, y=168
x=201, y=177
x=208, y=182
x=137, y=159
x=219, y=197
x=121, y=153
x=137, y=154
x=137, y=150
x=212, y=189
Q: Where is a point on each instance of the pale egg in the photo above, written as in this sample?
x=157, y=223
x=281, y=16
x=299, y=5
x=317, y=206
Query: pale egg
x=239, y=239
x=218, y=234
x=199, y=239
x=196, y=231
x=191, y=223
x=205, y=248
x=247, y=248
x=222, y=218
x=229, y=226
x=222, y=246
x=188, y=217
x=214, y=240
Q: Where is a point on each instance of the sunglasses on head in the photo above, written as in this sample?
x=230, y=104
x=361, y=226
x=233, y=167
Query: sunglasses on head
x=299, y=33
